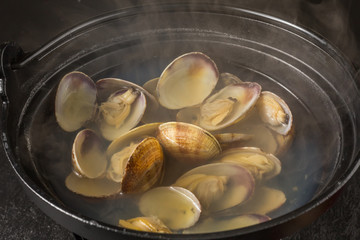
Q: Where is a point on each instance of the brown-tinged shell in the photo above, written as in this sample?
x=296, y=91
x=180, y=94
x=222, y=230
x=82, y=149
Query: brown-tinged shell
x=147, y=224
x=144, y=168
x=187, y=142
x=88, y=154
x=187, y=81
x=75, y=101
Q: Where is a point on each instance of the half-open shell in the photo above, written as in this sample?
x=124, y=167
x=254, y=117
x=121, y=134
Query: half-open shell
x=123, y=105
x=75, y=101
x=262, y=165
x=187, y=81
x=229, y=105
x=218, y=186
x=275, y=112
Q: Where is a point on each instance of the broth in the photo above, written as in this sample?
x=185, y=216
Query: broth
x=301, y=178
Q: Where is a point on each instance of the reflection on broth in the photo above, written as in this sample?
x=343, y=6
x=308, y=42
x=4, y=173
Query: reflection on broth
x=218, y=158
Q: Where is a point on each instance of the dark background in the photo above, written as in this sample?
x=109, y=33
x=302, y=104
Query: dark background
x=33, y=23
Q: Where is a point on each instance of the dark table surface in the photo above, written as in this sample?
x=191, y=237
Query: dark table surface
x=32, y=23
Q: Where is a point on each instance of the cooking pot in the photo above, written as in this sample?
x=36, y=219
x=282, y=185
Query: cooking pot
x=136, y=44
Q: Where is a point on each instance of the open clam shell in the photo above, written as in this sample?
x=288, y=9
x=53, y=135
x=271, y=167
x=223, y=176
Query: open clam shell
x=262, y=165
x=94, y=188
x=187, y=142
x=176, y=207
x=187, y=81
x=275, y=112
x=88, y=154
x=223, y=224
x=218, y=186
x=123, y=106
x=75, y=101
x=229, y=105
x=147, y=224
x=138, y=166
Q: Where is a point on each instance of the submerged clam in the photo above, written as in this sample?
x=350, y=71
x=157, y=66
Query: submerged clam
x=188, y=143
x=138, y=166
x=218, y=186
x=262, y=165
x=88, y=154
x=231, y=140
x=212, y=224
x=187, y=81
x=228, y=106
x=176, y=207
x=275, y=112
x=147, y=224
x=75, y=101
x=94, y=188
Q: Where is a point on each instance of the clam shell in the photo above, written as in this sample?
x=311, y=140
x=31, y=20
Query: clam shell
x=275, y=112
x=147, y=224
x=75, y=101
x=218, y=186
x=95, y=188
x=187, y=142
x=88, y=154
x=176, y=207
x=144, y=168
x=225, y=224
x=187, y=81
x=243, y=95
x=262, y=165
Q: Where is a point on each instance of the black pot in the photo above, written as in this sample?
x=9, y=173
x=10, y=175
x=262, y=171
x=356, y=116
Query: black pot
x=136, y=44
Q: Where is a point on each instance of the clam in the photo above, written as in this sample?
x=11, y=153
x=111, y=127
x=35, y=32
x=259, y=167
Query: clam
x=223, y=224
x=275, y=112
x=262, y=165
x=95, y=188
x=187, y=81
x=228, y=106
x=226, y=79
x=160, y=114
x=218, y=186
x=123, y=106
x=75, y=101
x=264, y=201
x=88, y=154
x=176, y=207
x=187, y=142
x=147, y=224
x=138, y=166
x=231, y=140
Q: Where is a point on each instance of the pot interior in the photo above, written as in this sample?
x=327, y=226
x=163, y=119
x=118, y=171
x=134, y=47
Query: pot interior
x=280, y=57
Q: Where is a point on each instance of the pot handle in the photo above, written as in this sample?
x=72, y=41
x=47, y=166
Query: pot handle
x=10, y=53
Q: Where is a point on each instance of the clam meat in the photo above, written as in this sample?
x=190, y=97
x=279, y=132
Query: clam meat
x=228, y=106
x=262, y=165
x=275, y=112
